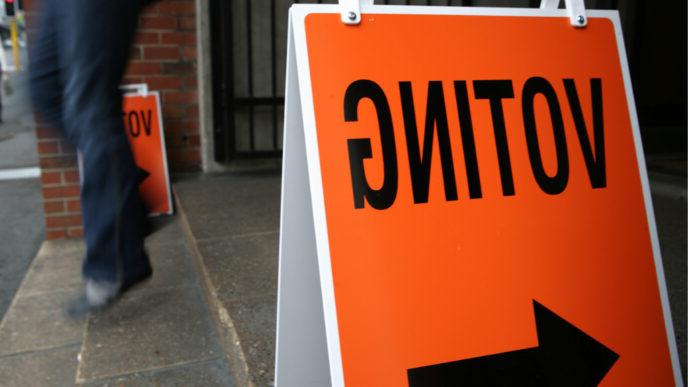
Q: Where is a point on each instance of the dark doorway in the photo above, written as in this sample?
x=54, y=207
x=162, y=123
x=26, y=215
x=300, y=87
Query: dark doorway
x=248, y=65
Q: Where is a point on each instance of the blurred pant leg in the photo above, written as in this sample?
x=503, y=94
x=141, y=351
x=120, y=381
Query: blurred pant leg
x=44, y=68
x=91, y=40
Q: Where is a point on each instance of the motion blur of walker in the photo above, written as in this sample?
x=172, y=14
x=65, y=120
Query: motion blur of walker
x=77, y=60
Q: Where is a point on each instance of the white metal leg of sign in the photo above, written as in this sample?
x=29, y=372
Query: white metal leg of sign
x=549, y=4
x=576, y=11
x=351, y=11
x=301, y=353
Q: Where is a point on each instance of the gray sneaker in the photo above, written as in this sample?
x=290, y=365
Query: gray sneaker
x=97, y=296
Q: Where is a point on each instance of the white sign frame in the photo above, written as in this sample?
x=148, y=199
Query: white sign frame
x=308, y=346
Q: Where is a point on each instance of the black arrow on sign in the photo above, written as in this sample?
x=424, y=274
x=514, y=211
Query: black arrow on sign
x=142, y=174
x=566, y=356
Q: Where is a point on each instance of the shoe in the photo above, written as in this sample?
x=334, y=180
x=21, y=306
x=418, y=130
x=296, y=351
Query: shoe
x=99, y=295
x=137, y=279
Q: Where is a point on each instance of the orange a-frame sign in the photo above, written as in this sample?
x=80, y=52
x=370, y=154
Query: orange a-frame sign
x=473, y=193
x=143, y=124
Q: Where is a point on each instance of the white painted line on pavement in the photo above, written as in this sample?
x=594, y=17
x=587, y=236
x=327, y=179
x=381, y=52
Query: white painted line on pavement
x=20, y=173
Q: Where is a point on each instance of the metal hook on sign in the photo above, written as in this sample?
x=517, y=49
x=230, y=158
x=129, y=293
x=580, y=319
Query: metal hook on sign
x=350, y=11
x=135, y=88
x=575, y=9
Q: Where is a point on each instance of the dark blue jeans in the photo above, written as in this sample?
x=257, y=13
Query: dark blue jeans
x=77, y=59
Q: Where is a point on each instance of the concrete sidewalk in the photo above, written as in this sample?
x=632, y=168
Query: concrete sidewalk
x=158, y=334
x=232, y=225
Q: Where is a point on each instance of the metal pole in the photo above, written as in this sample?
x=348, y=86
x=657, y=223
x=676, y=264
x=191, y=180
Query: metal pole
x=15, y=43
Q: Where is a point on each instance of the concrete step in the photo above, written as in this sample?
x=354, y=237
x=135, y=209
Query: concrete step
x=232, y=223
x=160, y=333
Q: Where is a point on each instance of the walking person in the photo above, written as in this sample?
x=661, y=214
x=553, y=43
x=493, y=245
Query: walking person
x=77, y=60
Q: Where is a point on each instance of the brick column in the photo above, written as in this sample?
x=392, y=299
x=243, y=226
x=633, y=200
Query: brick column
x=60, y=178
x=164, y=56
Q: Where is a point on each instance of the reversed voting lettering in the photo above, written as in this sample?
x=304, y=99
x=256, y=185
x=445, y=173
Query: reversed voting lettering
x=138, y=122
x=495, y=91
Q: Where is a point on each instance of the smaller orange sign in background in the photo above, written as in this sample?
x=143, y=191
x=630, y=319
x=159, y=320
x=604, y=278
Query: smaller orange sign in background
x=144, y=129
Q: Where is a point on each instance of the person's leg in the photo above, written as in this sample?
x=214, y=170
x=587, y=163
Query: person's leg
x=94, y=39
x=44, y=69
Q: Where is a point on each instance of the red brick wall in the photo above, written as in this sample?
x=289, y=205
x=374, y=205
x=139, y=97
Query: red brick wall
x=60, y=178
x=164, y=57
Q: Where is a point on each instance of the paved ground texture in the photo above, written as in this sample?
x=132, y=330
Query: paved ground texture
x=233, y=225
x=158, y=334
